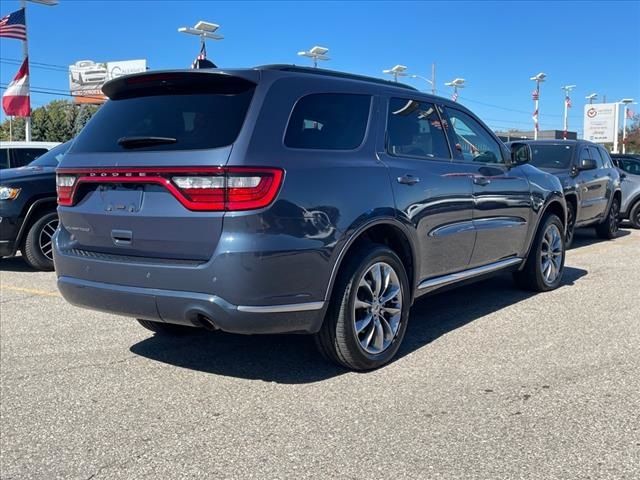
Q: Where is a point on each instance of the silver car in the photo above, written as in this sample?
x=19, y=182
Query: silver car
x=629, y=166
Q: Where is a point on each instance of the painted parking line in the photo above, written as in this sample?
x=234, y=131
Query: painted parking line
x=42, y=293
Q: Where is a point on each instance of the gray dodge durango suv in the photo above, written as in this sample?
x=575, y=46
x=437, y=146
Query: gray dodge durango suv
x=286, y=199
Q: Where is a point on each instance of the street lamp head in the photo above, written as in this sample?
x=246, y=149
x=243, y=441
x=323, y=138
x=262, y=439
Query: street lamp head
x=591, y=96
x=206, y=26
x=203, y=29
x=539, y=77
x=456, y=82
x=568, y=88
x=626, y=100
x=399, y=70
x=317, y=53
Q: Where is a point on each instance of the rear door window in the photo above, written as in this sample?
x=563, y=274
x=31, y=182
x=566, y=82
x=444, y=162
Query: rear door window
x=415, y=129
x=4, y=158
x=24, y=156
x=187, y=118
x=328, y=121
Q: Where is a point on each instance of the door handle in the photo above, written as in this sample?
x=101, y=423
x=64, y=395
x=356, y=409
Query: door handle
x=408, y=180
x=481, y=180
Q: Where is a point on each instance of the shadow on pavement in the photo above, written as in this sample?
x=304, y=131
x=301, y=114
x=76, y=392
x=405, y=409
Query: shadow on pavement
x=292, y=359
x=584, y=237
x=14, y=264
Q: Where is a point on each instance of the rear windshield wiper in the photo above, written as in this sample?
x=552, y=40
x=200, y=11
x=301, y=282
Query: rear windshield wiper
x=140, y=142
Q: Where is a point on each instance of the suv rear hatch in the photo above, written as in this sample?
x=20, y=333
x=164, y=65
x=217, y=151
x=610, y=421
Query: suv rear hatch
x=147, y=176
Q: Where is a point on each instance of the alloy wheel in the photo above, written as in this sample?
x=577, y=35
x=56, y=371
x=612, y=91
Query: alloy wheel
x=551, y=254
x=46, y=238
x=377, y=310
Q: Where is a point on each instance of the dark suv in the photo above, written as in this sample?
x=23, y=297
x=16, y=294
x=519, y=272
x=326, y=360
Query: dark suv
x=286, y=199
x=590, y=181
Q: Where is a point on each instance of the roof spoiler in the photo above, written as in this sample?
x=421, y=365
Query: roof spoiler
x=180, y=81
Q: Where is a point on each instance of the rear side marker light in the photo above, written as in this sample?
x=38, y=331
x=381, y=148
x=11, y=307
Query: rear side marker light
x=197, y=188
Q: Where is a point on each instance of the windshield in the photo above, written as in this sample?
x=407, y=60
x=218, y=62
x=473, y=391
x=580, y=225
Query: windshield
x=181, y=119
x=552, y=156
x=52, y=157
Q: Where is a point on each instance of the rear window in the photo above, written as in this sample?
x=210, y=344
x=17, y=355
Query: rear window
x=52, y=157
x=552, y=156
x=24, y=156
x=192, y=121
x=328, y=121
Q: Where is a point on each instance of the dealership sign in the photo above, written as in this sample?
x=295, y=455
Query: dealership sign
x=87, y=77
x=600, y=122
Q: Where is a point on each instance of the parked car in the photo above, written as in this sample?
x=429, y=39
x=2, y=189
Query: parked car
x=288, y=199
x=28, y=215
x=629, y=166
x=590, y=181
x=19, y=154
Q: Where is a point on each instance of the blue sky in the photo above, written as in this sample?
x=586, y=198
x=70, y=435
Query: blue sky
x=496, y=46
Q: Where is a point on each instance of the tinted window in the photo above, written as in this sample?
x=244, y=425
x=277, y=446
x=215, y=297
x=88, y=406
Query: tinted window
x=630, y=166
x=52, y=157
x=606, y=159
x=471, y=140
x=4, y=158
x=597, y=156
x=23, y=156
x=552, y=156
x=195, y=120
x=415, y=129
x=328, y=121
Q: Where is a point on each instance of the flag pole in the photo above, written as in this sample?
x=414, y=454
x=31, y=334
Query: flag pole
x=536, y=109
x=624, y=128
x=25, y=55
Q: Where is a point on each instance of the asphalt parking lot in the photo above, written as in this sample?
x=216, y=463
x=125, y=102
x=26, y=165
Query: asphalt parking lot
x=490, y=383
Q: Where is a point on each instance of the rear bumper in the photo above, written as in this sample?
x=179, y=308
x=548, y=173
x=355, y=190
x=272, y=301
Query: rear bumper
x=189, y=308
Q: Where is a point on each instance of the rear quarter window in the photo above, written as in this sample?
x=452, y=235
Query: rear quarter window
x=201, y=120
x=328, y=121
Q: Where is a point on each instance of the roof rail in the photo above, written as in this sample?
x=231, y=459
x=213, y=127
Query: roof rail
x=335, y=74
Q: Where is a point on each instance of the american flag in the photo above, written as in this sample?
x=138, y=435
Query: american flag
x=630, y=114
x=567, y=100
x=535, y=94
x=14, y=25
x=454, y=97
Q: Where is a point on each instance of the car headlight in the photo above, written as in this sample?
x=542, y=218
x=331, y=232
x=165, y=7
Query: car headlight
x=8, y=193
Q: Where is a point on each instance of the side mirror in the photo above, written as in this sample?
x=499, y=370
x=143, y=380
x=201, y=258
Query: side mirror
x=520, y=153
x=587, y=164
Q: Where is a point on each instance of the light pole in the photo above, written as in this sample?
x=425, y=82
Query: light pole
x=316, y=53
x=626, y=102
x=456, y=83
x=430, y=82
x=539, y=78
x=204, y=30
x=397, y=71
x=567, y=105
x=591, y=97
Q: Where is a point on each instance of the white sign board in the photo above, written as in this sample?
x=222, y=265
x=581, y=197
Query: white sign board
x=600, y=122
x=86, y=77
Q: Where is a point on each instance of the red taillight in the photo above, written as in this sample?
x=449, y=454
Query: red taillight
x=64, y=186
x=197, y=188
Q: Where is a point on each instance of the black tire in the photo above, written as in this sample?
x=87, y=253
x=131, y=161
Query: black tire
x=338, y=340
x=634, y=215
x=162, y=328
x=571, y=225
x=35, y=250
x=608, y=228
x=532, y=277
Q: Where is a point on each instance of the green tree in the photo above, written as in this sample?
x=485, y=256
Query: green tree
x=57, y=121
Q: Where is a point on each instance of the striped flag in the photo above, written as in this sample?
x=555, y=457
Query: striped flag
x=15, y=100
x=535, y=119
x=567, y=100
x=630, y=114
x=535, y=95
x=14, y=25
x=454, y=97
